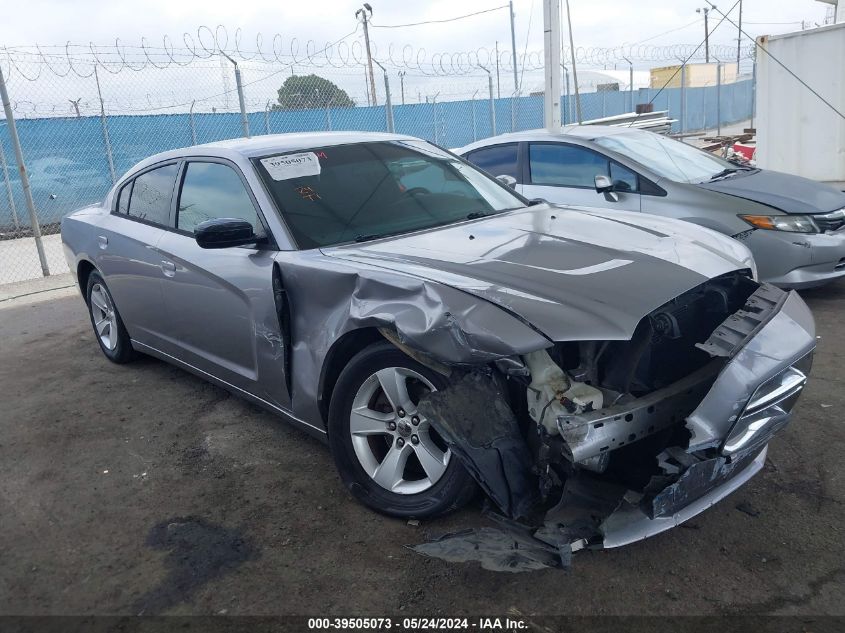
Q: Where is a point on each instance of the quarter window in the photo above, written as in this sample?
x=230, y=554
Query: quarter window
x=565, y=165
x=210, y=191
x=500, y=160
x=123, y=198
x=151, y=195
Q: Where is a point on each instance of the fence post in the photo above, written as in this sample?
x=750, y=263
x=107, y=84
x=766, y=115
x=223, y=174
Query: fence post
x=193, y=126
x=388, y=105
x=683, y=97
x=241, y=102
x=434, y=109
x=267, y=117
x=8, y=182
x=719, y=99
x=492, y=102
x=105, y=125
x=474, y=126
x=27, y=191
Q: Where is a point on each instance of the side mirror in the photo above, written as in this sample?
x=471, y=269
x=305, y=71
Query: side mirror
x=224, y=233
x=506, y=180
x=605, y=185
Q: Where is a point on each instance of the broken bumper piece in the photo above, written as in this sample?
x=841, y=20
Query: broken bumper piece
x=706, y=483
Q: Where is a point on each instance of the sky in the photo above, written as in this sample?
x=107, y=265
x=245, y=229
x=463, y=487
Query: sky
x=596, y=23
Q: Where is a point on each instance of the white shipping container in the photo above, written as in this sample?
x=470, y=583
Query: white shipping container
x=797, y=132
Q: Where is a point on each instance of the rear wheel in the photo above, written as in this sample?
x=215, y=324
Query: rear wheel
x=388, y=455
x=105, y=319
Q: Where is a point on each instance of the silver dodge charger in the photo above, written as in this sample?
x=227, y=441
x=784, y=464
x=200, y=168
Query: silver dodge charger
x=600, y=375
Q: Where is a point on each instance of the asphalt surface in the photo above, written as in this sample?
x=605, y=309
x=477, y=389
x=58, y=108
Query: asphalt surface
x=141, y=489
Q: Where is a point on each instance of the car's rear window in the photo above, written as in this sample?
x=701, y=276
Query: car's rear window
x=344, y=193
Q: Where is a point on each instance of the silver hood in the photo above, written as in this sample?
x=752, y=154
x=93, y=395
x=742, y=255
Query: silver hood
x=574, y=274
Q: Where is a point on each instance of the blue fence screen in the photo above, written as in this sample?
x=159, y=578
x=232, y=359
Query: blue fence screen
x=68, y=165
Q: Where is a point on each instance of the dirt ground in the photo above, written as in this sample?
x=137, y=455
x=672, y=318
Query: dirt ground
x=141, y=489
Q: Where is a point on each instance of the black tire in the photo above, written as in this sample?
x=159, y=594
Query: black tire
x=454, y=488
x=122, y=351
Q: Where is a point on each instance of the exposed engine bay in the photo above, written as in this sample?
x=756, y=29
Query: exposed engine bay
x=589, y=437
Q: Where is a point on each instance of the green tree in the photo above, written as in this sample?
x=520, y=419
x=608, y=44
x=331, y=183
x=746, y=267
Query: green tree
x=303, y=92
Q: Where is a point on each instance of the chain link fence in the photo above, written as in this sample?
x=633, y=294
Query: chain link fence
x=83, y=121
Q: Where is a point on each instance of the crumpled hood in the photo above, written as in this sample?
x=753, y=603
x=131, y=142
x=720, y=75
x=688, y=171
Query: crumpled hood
x=788, y=193
x=574, y=274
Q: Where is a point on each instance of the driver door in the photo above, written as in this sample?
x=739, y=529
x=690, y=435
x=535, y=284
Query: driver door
x=220, y=301
x=563, y=173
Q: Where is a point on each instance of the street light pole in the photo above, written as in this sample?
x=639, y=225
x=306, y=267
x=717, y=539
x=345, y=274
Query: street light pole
x=365, y=13
x=574, y=68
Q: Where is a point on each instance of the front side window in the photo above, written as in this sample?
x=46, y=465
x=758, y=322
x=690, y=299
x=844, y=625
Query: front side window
x=499, y=160
x=362, y=191
x=212, y=190
x=151, y=195
x=623, y=178
x=565, y=165
x=665, y=156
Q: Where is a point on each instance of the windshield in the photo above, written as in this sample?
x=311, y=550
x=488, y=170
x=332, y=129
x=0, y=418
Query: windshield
x=358, y=192
x=666, y=157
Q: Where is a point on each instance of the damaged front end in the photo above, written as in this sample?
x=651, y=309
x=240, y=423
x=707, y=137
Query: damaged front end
x=602, y=443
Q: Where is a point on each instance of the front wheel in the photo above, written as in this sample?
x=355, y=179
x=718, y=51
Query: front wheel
x=388, y=455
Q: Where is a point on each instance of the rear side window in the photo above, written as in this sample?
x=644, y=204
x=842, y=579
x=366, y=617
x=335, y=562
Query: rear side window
x=500, y=160
x=151, y=195
x=565, y=165
x=210, y=191
x=123, y=198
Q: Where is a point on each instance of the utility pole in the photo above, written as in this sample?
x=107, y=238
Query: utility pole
x=402, y=84
x=513, y=46
x=739, y=37
x=574, y=69
x=551, y=54
x=705, y=11
x=365, y=13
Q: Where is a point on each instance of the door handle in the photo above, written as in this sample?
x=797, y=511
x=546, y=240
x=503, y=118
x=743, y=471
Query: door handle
x=102, y=242
x=168, y=268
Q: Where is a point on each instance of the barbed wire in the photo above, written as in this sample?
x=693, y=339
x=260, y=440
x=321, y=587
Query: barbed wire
x=62, y=60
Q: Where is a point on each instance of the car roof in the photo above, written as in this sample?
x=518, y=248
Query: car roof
x=585, y=132
x=272, y=144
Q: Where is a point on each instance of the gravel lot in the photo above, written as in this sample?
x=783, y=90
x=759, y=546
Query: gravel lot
x=141, y=489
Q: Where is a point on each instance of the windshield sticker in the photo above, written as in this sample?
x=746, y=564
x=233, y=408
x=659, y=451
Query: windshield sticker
x=292, y=166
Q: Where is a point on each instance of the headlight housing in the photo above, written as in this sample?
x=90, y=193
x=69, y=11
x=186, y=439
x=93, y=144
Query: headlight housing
x=789, y=223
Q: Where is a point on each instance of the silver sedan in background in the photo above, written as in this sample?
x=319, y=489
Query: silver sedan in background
x=794, y=226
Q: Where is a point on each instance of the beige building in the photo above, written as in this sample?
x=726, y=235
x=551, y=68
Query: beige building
x=695, y=75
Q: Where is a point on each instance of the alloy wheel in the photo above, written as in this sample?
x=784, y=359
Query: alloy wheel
x=395, y=445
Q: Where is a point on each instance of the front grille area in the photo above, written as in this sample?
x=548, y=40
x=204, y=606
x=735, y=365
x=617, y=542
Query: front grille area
x=830, y=221
x=769, y=408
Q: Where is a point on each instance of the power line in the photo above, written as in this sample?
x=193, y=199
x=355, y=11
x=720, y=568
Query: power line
x=782, y=65
x=684, y=62
x=459, y=17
